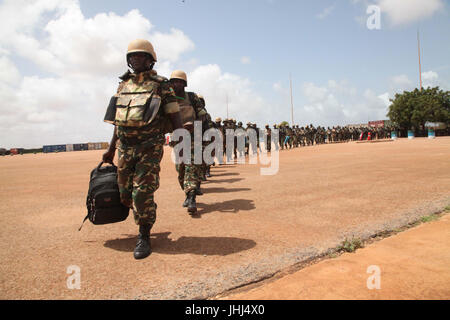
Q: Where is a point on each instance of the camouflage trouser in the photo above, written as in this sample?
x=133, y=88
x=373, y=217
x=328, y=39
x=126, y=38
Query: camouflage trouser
x=269, y=143
x=138, y=179
x=295, y=141
x=204, y=166
x=188, y=176
x=282, y=138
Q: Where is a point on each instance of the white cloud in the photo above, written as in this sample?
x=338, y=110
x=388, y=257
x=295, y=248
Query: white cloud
x=326, y=12
x=401, y=81
x=245, y=60
x=430, y=79
x=278, y=88
x=81, y=58
x=402, y=12
x=385, y=98
x=244, y=104
x=8, y=71
x=339, y=103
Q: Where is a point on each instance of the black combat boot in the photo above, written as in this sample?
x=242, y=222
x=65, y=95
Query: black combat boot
x=192, y=205
x=185, y=203
x=143, y=248
x=198, y=192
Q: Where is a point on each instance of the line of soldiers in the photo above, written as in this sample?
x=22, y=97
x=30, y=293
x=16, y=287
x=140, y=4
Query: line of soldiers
x=294, y=136
x=146, y=107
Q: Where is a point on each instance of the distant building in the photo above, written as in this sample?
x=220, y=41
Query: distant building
x=379, y=123
x=360, y=125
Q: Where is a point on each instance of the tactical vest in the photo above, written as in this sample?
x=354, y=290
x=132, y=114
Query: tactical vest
x=187, y=110
x=135, y=105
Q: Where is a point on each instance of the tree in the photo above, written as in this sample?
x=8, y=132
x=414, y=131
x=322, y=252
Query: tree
x=412, y=109
x=284, y=123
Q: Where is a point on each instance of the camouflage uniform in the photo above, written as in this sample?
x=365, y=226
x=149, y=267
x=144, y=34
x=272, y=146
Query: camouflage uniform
x=268, y=138
x=277, y=145
x=282, y=136
x=240, y=134
x=189, y=175
x=141, y=147
x=220, y=127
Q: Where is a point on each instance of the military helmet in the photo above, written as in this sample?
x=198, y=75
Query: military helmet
x=141, y=45
x=200, y=96
x=219, y=119
x=179, y=74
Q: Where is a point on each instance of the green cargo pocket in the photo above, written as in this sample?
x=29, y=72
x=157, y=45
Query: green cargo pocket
x=131, y=108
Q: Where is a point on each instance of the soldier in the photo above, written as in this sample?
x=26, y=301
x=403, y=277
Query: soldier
x=234, y=127
x=218, y=125
x=328, y=134
x=307, y=135
x=288, y=139
x=282, y=136
x=297, y=135
x=206, y=124
x=240, y=135
x=277, y=145
x=268, y=134
x=191, y=109
x=258, y=136
x=140, y=130
x=226, y=125
x=247, y=139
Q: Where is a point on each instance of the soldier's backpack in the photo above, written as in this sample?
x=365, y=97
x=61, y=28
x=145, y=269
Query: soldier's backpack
x=103, y=198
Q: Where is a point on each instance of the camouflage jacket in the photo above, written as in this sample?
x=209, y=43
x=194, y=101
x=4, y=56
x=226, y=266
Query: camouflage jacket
x=152, y=133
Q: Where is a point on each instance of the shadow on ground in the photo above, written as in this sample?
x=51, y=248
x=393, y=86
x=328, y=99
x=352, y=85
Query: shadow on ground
x=231, y=206
x=224, y=180
x=225, y=174
x=161, y=243
x=224, y=190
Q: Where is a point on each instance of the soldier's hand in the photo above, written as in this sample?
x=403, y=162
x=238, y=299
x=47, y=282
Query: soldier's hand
x=108, y=156
x=189, y=127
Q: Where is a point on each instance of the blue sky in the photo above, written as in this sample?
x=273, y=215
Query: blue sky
x=67, y=54
x=287, y=36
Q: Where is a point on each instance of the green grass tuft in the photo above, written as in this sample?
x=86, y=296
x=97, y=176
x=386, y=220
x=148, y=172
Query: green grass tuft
x=429, y=218
x=350, y=245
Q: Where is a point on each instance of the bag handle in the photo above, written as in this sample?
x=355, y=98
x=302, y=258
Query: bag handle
x=101, y=163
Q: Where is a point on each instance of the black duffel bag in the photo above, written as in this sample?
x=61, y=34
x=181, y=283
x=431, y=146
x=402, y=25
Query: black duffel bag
x=103, y=199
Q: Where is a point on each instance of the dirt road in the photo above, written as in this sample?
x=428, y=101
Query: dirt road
x=251, y=226
x=411, y=265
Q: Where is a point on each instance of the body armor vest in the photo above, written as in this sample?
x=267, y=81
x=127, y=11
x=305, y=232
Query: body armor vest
x=135, y=105
x=187, y=111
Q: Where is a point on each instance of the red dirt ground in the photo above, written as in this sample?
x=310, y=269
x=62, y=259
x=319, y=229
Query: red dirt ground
x=251, y=226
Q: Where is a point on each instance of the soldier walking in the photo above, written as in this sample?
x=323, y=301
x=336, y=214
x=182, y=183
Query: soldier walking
x=191, y=109
x=141, y=109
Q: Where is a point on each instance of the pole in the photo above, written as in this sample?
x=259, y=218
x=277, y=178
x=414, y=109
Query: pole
x=420, y=66
x=292, y=104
